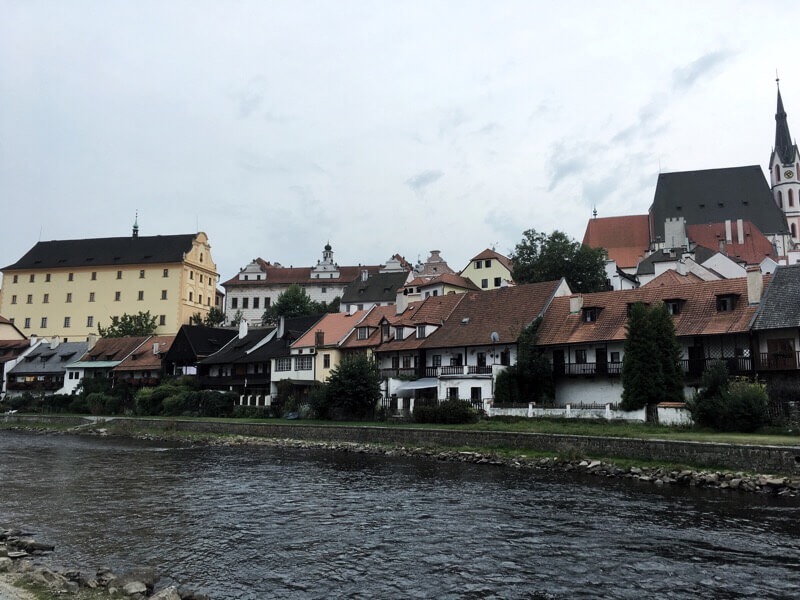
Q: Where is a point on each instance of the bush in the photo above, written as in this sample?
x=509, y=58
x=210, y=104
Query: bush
x=449, y=412
x=58, y=403
x=747, y=405
x=184, y=402
x=725, y=405
x=251, y=412
x=101, y=404
x=214, y=403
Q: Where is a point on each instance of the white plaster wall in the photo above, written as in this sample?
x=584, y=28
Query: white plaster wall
x=674, y=416
x=588, y=391
x=725, y=266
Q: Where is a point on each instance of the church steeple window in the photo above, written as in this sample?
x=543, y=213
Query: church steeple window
x=791, y=197
x=777, y=172
x=780, y=199
x=794, y=230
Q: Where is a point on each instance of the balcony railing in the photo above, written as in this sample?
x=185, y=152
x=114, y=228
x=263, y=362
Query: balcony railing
x=47, y=386
x=448, y=371
x=396, y=373
x=778, y=361
x=695, y=366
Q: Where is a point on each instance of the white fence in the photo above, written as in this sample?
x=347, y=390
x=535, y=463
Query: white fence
x=607, y=411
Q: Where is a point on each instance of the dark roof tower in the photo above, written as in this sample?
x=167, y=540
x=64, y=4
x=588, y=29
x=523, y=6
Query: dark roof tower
x=784, y=147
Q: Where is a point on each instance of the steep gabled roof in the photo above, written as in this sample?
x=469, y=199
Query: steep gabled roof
x=45, y=359
x=698, y=314
x=505, y=311
x=379, y=287
x=334, y=326
x=784, y=146
x=106, y=251
x=237, y=349
x=753, y=249
x=490, y=254
x=780, y=305
x=671, y=278
x=11, y=349
x=194, y=342
x=277, y=275
x=372, y=320
x=448, y=279
x=626, y=239
x=113, y=349
x=145, y=358
x=434, y=310
x=714, y=196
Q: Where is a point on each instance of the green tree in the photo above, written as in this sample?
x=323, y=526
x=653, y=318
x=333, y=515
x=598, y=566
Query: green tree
x=353, y=388
x=214, y=318
x=531, y=379
x=651, y=367
x=196, y=319
x=142, y=323
x=542, y=257
x=729, y=405
x=293, y=302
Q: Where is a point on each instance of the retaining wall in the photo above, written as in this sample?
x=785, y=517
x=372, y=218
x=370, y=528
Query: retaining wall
x=736, y=457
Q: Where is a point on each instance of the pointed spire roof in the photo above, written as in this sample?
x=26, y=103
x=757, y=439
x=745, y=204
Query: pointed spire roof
x=783, y=139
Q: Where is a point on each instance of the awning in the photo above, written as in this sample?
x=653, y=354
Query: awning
x=407, y=387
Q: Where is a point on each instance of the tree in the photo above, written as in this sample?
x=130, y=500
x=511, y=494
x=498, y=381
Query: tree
x=214, y=317
x=729, y=405
x=353, y=388
x=294, y=302
x=531, y=379
x=127, y=325
x=651, y=367
x=542, y=257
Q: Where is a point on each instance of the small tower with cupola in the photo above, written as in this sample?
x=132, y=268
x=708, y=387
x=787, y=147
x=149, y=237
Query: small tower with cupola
x=784, y=169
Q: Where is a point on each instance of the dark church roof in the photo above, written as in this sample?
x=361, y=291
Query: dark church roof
x=106, y=251
x=784, y=147
x=714, y=196
x=380, y=287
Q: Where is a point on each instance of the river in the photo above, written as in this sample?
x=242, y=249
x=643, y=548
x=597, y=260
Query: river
x=262, y=522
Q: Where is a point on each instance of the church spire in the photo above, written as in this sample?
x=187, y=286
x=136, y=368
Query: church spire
x=783, y=139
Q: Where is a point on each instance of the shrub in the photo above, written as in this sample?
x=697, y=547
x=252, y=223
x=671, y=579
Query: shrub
x=79, y=405
x=184, y=402
x=747, y=405
x=147, y=402
x=214, y=403
x=251, y=412
x=99, y=403
x=449, y=412
x=725, y=405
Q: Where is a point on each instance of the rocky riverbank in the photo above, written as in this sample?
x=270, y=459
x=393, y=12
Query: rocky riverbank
x=26, y=573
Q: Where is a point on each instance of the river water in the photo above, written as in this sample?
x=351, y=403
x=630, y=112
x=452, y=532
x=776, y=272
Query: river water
x=261, y=522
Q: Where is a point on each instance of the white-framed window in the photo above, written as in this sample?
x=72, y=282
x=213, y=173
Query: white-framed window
x=67, y=322
x=362, y=333
x=162, y=320
x=44, y=322
x=303, y=363
x=90, y=321
x=283, y=364
x=27, y=323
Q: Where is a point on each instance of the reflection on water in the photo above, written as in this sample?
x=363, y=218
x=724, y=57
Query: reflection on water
x=253, y=523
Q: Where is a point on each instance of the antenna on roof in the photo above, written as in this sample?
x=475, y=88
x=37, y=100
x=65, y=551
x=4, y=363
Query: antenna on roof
x=777, y=79
x=594, y=212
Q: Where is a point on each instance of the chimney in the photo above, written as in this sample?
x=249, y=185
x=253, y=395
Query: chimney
x=575, y=304
x=739, y=231
x=728, y=235
x=755, y=284
x=319, y=338
x=364, y=275
x=54, y=342
x=92, y=340
x=34, y=339
x=242, y=328
x=155, y=348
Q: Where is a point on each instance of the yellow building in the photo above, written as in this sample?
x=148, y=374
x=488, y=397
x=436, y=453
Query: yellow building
x=69, y=287
x=489, y=270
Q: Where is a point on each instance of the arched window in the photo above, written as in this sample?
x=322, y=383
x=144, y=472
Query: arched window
x=794, y=230
x=777, y=172
x=780, y=199
x=791, y=197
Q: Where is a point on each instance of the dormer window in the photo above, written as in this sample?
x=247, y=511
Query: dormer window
x=674, y=306
x=726, y=302
x=398, y=333
x=420, y=332
x=478, y=264
x=385, y=331
x=590, y=314
x=488, y=263
x=362, y=333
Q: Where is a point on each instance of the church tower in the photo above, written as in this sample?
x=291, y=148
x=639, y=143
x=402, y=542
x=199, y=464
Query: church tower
x=784, y=168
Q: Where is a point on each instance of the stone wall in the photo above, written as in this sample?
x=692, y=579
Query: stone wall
x=759, y=459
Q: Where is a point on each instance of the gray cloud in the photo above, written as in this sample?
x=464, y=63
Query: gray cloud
x=422, y=180
x=684, y=78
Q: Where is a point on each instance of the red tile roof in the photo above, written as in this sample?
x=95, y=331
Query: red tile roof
x=300, y=275
x=113, y=348
x=335, y=327
x=143, y=358
x=493, y=255
x=698, y=314
x=671, y=277
x=434, y=310
x=754, y=249
x=625, y=238
x=373, y=320
x=505, y=311
x=450, y=279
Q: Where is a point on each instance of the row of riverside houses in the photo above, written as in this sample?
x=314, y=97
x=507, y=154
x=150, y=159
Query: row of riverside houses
x=454, y=345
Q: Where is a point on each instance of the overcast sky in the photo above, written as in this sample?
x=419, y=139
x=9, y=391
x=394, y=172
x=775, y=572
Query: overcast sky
x=381, y=126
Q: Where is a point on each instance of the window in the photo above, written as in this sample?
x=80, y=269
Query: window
x=201, y=278
x=46, y=299
x=436, y=360
x=163, y=294
x=27, y=323
x=791, y=197
x=69, y=297
x=119, y=274
x=484, y=283
x=673, y=306
x=478, y=264
x=141, y=295
x=406, y=362
x=191, y=296
x=44, y=322
x=256, y=302
x=481, y=359
x=580, y=357
x=15, y=279
x=245, y=302
x=94, y=275
x=326, y=361
x=191, y=274
x=201, y=257
x=67, y=322
x=777, y=172
x=398, y=333
x=30, y=299
x=14, y=299
x=794, y=230
x=725, y=303
x=498, y=281
x=324, y=290
x=488, y=263
x=91, y=296
x=266, y=302
x=615, y=357
x=395, y=362
x=71, y=277
x=780, y=199
x=199, y=298
x=283, y=364
x=32, y=278
x=90, y=321
x=47, y=278
x=452, y=393
x=456, y=360
x=141, y=273
x=234, y=303
x=303, y=363
x=420, y=332
x=208, y=301
x=362, y=333
x=590, y=314
x=162, y=320
x=165, y=273
x=117, y=296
